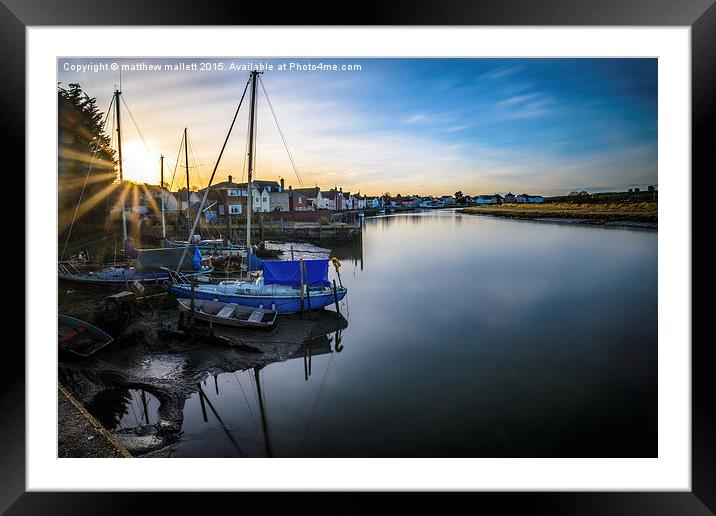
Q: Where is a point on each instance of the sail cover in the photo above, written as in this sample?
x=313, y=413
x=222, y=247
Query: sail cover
x=152, y=260
x=255, y=263
x=288, y=273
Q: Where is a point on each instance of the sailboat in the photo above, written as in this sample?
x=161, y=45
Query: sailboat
x=151, y=263
x=217, y=249
x=284, y=286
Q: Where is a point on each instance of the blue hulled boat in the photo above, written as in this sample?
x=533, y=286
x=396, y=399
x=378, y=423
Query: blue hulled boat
x=279, y=288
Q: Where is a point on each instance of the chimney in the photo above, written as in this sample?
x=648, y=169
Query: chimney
x=341, y=190
x=289, y=186
x=282, y=184
x=229, y=178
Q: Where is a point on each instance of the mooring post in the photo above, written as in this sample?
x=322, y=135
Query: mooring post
x=335, y=297
x=308, y=287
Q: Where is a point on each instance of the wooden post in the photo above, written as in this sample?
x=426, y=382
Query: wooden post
x=335, y=297
x=291, y=252
x=308, y=291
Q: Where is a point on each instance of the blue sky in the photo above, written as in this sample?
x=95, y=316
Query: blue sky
x=542, y=126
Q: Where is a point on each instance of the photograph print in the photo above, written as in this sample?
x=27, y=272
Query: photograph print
x=359, y=257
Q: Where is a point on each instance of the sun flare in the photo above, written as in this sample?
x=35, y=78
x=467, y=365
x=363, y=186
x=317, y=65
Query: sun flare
x=138, y=164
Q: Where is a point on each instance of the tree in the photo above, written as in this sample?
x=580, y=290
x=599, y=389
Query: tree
x=82, y=143
x=458, y=194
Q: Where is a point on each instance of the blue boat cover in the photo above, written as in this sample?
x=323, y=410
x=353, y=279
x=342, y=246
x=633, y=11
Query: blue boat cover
x=196, y=259
x=255, y=263
x=287, y=272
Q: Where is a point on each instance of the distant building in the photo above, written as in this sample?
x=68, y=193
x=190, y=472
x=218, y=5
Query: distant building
x=484, y=199
x=526, y=198
x=297, y=201
x=509, y=197
x=314, y=198
x=448, y=199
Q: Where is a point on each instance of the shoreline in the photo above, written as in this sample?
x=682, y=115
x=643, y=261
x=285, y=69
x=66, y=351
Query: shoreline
x=582, y=221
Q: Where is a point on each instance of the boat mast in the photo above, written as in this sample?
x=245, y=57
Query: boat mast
x=117, y=93
x=186, y=164
x=249, y=192
x=117, y=110
x=161, y=192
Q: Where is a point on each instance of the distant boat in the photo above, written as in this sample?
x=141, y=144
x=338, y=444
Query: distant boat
x=151, y=268
x=80, y=338
x=150, y=262
x=231, y=314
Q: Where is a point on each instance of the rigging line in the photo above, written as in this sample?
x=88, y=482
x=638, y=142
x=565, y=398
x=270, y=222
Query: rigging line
x=315, y=404
x=135, y=125
x=283, y=138
x=176, y=163
x=246, y=151
x=251, y=411
x=89, y=169
x=193, y=159
x=211, y=179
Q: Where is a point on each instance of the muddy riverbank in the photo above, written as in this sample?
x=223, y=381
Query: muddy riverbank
x=137, y=387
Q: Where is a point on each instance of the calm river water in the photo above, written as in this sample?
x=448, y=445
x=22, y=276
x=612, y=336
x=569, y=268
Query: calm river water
x=467, y=336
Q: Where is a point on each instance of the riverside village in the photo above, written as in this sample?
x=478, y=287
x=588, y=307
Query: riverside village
x=215, y=308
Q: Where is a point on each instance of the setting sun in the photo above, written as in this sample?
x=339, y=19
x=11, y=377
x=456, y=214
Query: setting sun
x=139, y=165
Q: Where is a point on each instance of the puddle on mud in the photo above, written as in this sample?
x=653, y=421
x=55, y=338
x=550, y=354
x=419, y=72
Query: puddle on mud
x=119, y=408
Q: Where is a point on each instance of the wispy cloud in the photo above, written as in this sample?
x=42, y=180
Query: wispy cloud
x=413, y=126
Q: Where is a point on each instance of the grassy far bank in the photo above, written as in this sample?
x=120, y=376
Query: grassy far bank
x=598, y=213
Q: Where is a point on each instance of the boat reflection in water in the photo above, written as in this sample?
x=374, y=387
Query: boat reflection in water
x=232, y=416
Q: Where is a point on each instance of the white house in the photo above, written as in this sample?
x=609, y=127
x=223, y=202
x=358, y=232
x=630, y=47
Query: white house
x=484, y=199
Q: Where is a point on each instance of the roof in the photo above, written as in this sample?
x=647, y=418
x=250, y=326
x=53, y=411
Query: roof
x=258, y=183
x=331, y=194
x=311, y=193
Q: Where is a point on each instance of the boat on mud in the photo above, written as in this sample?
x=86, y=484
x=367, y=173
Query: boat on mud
x=231, y=314
x=79, y=338
x=282, y=286
x=150, y=268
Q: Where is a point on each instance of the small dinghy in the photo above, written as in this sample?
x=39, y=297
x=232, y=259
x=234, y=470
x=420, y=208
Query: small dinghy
x=230, y=314
x=79, y=338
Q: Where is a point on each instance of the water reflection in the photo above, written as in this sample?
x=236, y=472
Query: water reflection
x=233, y=418
x=120, y=408
x=466, y=337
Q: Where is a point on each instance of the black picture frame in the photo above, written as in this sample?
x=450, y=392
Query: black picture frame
x=700, y=15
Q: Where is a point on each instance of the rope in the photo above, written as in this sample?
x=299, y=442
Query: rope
x=206, y=192
x=285, y=144
x=141, y=136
